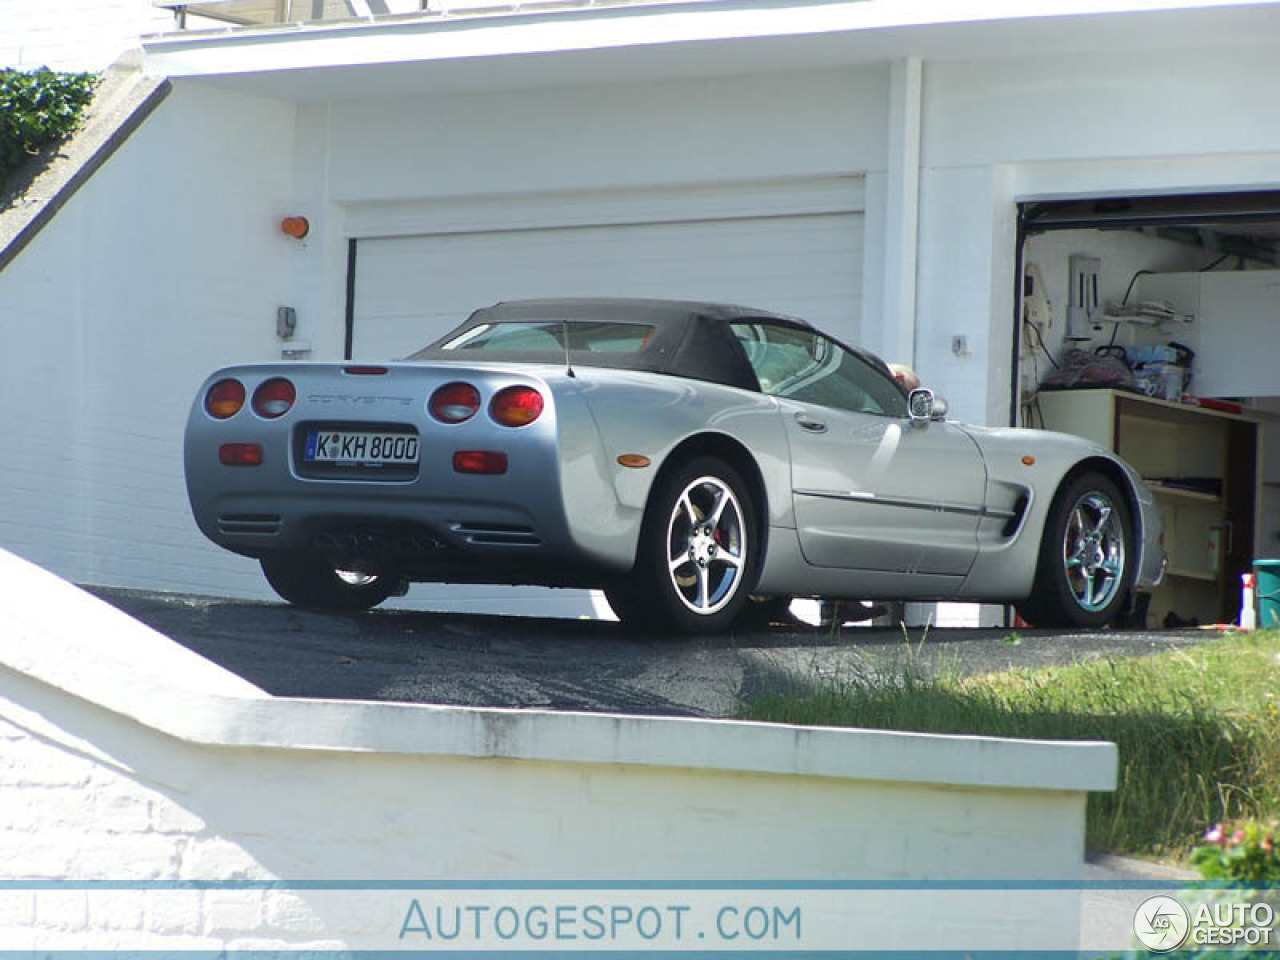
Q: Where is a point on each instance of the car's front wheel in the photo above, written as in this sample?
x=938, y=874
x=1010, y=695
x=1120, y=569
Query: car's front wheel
x=698, y=554
x=308, y=581
x=1085, y=572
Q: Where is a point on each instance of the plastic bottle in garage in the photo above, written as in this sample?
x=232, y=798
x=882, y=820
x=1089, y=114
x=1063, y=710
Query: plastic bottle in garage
x=1248, y=616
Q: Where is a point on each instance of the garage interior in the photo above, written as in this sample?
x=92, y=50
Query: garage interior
x=1149, y=325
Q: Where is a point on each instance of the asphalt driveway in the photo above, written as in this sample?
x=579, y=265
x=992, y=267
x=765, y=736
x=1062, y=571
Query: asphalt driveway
x=495, y=661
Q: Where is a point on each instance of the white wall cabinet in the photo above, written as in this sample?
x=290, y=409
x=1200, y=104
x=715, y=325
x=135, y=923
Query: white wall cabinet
x=1202, y=466
x=1236, y=315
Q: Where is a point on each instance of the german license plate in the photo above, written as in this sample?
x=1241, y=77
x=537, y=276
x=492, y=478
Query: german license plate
x=341, y=446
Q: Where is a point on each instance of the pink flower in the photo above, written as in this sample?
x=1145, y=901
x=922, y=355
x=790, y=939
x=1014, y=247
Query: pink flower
x=1214, y=835
x=1237, y=837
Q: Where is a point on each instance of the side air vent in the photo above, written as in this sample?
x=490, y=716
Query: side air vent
x=1019, y=511
x=262, y=524
x=497, y=535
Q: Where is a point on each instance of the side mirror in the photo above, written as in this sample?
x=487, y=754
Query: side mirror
x=924, y=405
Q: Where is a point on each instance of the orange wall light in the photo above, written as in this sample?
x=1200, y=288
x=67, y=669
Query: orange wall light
x=296, y=227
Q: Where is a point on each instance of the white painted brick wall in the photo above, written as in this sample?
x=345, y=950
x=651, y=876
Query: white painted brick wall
x=74, y=35
x=161, y=810
x=166, y=264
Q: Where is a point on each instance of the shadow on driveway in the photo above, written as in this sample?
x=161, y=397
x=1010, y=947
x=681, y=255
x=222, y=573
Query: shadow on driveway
x=492, y=661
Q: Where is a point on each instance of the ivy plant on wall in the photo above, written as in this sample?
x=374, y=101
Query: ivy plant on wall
x=37, y=109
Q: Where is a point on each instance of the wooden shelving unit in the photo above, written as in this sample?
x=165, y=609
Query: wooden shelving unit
x=1202, y=467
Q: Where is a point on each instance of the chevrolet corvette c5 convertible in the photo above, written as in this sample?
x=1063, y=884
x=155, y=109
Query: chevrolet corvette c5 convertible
x=683, y=457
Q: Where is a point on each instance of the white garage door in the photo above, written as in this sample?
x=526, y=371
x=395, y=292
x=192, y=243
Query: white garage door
x=409, y=290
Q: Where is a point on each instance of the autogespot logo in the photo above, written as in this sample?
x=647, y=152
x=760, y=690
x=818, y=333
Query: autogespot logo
x=1161, y=924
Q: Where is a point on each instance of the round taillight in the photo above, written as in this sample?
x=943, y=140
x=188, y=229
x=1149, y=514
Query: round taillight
x=454, y=402
x=224, y=399
x=274, y=398
x=516, y=406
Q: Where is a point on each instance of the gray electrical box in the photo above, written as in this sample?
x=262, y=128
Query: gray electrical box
x=286, y=322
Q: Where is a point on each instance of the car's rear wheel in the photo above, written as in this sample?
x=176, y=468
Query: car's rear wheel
x=308, y=581
x=1086, y=566
x=697, y=560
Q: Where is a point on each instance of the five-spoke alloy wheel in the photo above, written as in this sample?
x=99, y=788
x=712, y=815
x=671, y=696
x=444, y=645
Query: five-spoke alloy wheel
x=698, y=552
x=1093, y=551
x=706, y=545
x=1085, y=572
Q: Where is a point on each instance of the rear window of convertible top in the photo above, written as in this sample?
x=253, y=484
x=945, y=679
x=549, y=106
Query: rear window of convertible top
x=542, y=336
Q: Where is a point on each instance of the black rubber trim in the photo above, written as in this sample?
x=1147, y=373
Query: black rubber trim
x=351, y=300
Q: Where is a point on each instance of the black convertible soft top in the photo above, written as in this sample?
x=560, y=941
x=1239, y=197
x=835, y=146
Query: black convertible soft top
x=690, y=338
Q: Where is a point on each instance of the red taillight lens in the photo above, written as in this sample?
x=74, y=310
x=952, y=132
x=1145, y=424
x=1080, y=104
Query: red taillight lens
x=240, y=454
x=516, y=406
x=454, y=402
x=274, y=398
x=364, y=371
x=480, y=461
x=224, y=399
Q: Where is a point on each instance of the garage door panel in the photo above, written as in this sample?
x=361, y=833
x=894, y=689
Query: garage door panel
x=410, y=290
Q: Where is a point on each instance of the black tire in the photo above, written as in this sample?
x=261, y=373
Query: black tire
x=699, y=548
x=307, y=581
x=1084, y=576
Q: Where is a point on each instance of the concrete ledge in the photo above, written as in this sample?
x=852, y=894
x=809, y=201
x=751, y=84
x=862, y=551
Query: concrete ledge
x=74, y=642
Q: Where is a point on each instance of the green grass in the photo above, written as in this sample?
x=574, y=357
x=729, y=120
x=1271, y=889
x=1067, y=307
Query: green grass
x=1198, y=729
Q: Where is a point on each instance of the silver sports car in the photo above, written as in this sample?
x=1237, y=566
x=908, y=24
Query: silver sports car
x=682, y=456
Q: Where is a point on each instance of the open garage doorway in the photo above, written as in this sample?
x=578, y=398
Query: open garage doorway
x=1150, y=325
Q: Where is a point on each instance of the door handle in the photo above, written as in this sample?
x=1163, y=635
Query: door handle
x=813, y=426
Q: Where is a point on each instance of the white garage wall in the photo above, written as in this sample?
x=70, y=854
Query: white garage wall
x=167, y=263
x=1147, y=103
x=999, y=131
x=608, y=137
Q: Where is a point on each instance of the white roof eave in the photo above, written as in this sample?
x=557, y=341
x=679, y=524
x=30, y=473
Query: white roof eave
x=620, y=42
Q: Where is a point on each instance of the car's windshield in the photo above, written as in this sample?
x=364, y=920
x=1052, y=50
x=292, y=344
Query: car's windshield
x=541, y=336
